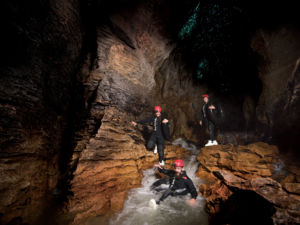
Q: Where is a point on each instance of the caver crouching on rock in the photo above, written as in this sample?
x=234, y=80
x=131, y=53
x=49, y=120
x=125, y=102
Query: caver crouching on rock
x=179, y=182
x=157, y=139
x=207, y=111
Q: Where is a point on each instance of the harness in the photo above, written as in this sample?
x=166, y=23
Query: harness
x=172, y=183
x=174, y=179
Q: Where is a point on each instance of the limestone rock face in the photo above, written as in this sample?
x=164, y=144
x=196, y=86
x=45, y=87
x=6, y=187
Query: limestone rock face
x=278, y=106
x=230, y=171
x=40, y=52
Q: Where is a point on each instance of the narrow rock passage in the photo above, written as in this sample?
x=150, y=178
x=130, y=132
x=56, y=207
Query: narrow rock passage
x=174, y=210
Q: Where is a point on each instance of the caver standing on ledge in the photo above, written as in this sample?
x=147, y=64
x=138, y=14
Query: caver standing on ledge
x=157, y=139
x=207, y=110
x=179, y=183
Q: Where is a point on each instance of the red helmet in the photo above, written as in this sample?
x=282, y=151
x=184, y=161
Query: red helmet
x=157, y=108
x=179, y=163
x=205, y=96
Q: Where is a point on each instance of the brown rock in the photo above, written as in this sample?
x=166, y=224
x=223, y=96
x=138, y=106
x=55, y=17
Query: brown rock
x=244, y=161
x=35, y=98
x=117, y=200
x=215, y=194
x=294, y=169
x=293, y=188
x=248, y=168
x=287, y=179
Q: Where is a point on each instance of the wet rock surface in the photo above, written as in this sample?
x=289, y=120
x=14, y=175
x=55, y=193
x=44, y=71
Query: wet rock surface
x=110, y=165
x=234, y=174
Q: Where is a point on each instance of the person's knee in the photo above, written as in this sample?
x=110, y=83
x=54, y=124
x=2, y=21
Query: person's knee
x=160, y=151
x=160, y=147
x=165, y=195
x=180, y=193
x=150, y=145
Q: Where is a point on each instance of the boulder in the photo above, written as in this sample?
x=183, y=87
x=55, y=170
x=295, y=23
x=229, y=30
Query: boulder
x=292, y=188
x=244, y=161
x=245, y=171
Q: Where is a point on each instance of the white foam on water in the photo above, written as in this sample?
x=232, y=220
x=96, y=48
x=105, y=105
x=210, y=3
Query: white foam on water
x=174, y=210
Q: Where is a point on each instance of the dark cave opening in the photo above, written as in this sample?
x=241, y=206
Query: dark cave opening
x=245, y=207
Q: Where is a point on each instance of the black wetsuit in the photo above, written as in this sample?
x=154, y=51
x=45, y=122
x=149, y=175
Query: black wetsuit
x=157, y=134
x=205, y=118
x=180, y=185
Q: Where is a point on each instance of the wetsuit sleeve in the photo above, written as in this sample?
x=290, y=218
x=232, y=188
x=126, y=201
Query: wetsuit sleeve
x=219, y=109
x=191, y=188
x=166, y=172
x=165, y=116
x=201, y=114
x=214, y=103
x=147, y=120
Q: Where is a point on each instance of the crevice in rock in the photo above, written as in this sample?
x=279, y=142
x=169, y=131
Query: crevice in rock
x=121, y=34
x=244, y=207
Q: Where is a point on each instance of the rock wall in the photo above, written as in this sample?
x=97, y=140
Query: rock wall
x=249, y=184
x=279, y=52
x=41, y=45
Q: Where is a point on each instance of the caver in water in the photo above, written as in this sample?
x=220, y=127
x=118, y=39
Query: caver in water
x=179, y=182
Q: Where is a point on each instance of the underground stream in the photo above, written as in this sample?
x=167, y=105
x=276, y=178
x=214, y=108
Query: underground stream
x=174, y=210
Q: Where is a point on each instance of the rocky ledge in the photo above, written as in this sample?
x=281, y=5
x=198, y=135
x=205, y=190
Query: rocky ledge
x=249, y=184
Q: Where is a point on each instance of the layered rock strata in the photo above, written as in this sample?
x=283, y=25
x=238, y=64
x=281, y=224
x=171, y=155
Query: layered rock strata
x=235, y=173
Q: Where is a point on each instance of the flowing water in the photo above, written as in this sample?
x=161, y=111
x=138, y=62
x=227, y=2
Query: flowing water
x=174, y=210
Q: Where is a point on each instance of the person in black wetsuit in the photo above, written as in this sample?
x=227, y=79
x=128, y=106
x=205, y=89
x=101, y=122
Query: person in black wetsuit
x=156, y=140
x=179, y=182
x=209, y=123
